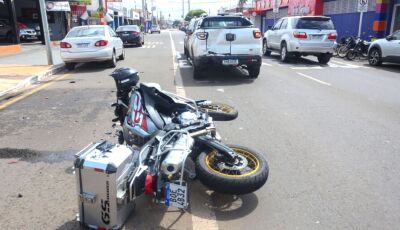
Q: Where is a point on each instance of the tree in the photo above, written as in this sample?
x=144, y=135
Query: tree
x=241, y=4
x=194, y=13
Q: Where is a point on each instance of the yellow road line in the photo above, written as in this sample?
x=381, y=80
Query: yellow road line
x=16, y=99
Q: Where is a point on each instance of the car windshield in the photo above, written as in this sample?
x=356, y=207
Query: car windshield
x=225, y=22
x=128, y=28
x=86, y=32
x=314, y=23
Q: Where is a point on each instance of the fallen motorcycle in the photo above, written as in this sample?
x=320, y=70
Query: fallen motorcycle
x=162, y=131
x=174, y=127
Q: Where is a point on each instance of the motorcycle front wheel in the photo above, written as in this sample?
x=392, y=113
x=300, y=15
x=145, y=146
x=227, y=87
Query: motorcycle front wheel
x=220, y=111
x=247, y=175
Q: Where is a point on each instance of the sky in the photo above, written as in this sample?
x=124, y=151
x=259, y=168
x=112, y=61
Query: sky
x=174, y=7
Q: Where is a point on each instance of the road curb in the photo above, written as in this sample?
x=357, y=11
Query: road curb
x=32, y=80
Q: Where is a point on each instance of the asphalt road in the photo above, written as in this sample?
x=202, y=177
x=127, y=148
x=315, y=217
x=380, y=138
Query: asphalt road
x=330, y=135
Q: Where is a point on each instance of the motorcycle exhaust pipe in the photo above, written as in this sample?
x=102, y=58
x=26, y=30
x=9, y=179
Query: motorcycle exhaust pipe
x=174, y=159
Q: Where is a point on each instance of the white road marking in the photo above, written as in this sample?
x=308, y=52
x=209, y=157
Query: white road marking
x=306, y=67
x=221, y=90
x=266, y=64
x=154, y=46
x=345, y=64
x=314, y=79
x=184, y=64
x=199, y=222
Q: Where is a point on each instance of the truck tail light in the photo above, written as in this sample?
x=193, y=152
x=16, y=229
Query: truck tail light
x=101, y=43
x=300, y=35
x=202, y=35
x=135, y=33
x=257, y=34
x=65, y=45
x=332, y=36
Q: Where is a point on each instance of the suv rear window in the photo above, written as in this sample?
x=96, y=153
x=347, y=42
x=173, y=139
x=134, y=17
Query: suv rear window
x=314, y=23
x=225, y=22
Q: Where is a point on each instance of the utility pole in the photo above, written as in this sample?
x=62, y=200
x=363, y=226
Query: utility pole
x=46, y=33
x=188, y=5
x=183, y=9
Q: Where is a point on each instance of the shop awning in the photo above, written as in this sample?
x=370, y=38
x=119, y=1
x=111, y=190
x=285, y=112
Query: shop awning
x=57, y=6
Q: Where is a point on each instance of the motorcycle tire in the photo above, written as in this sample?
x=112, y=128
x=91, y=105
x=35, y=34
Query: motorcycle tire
x=351, y=55
x=230, y=181
x=220, y=111
x=342, y=51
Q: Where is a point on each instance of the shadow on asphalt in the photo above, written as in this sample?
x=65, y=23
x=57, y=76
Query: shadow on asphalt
x=230, y=207
x=293, y=62
x=395, y=68
x=34, y=156
x=91, y=67
x=213, y=76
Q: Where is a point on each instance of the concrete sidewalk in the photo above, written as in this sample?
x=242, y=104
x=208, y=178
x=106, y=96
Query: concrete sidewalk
x=18, y=71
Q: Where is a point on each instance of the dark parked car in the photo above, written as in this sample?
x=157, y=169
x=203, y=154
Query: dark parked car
x=131, y=34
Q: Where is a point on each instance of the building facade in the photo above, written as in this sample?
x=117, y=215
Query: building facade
x=382, y=16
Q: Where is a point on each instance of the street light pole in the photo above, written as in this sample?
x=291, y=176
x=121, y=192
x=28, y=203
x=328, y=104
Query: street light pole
x=46, y=33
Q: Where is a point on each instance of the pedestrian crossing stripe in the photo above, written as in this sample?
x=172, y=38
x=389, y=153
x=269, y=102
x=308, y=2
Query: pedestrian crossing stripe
x=333, y=64
x=154, y=43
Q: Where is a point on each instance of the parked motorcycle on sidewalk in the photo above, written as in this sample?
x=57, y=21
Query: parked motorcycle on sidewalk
x=360, y=50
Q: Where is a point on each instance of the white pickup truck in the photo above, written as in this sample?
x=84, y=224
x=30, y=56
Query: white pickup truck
x=224, y=41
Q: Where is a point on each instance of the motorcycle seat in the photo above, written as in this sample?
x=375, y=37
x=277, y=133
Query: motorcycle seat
x=155, y=101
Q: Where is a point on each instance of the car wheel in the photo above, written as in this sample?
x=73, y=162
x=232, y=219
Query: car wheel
x=254, y=71
x=70, y=66
x=113, y=61
x=284, y=53
x=266, y=52
x=375, y=57
x=324, y=58
x=197, y=71
x=122, y=56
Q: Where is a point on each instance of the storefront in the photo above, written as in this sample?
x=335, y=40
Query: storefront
x=58, y=13
x=382, y=16
x=8, y=23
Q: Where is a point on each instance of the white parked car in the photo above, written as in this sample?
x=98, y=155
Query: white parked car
x=301, y=36
x=385, y=50
x=230, y=41
x=91, y=44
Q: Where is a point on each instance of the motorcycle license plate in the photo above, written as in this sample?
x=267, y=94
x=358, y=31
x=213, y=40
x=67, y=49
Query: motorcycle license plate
x=230, y=62
x=176, y=195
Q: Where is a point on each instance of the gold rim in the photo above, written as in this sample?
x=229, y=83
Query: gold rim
x=252, y=166
x=219, y=108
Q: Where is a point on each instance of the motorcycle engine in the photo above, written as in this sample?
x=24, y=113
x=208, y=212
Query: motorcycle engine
x=186, y=117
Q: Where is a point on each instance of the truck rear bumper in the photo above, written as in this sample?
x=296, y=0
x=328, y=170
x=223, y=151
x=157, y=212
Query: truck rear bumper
x=236, y=60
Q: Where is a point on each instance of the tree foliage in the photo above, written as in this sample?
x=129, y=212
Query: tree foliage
x=194, y=13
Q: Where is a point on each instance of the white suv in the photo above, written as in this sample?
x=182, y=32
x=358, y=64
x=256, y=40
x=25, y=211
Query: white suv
x=223, y=41
x=385, y=50
x=301, y=36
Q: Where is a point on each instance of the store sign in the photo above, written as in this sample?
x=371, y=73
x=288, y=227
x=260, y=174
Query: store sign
x=57, y=6
x=80, y=2
x=262, y=5
x=275, y=6
x=116, y=6
x=362, y=6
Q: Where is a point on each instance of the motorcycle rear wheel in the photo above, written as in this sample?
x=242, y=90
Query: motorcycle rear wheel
x=220, y=111
x=351, y=55
x=216, y=175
